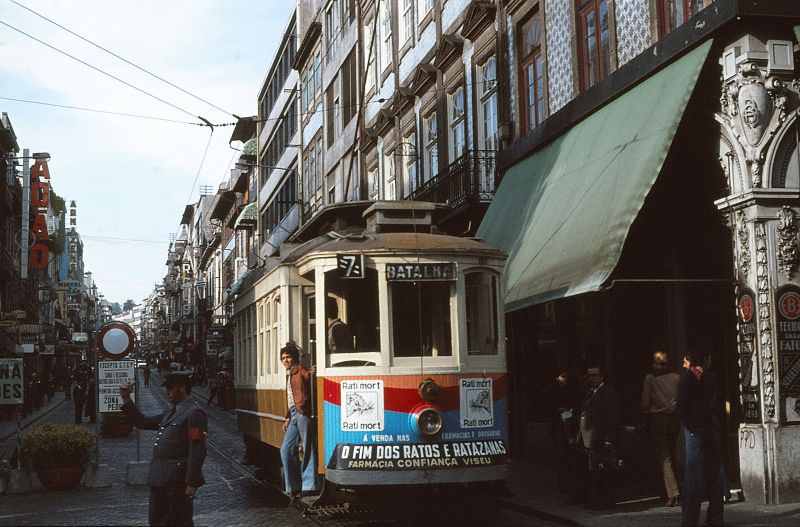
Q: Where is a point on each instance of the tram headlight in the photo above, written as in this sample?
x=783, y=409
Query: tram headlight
x=429, y=422
x=428, y=390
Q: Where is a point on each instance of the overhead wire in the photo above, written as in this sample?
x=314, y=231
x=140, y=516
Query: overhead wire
x=126, y=61
x=123, y=114
x=99, y=70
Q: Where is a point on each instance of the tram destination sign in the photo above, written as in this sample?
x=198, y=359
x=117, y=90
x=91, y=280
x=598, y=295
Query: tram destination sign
x=410, y=456
x=406, y=272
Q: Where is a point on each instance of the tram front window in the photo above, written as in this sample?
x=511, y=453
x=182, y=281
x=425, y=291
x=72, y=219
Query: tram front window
x=351, y=320
x=481, y=313
x=421, y=319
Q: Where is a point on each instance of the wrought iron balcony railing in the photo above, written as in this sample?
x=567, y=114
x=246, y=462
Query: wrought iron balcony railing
x=471, y=178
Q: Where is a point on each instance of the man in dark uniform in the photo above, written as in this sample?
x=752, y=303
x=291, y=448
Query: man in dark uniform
x=176, y=470
x=598, y=437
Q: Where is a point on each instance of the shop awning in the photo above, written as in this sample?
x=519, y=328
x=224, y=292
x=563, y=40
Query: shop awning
x=563, y=213
x=248, y=217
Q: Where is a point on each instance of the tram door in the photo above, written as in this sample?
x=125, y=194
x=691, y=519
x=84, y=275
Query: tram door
x=310, y=333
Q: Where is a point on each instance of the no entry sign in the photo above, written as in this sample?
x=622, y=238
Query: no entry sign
x=115, y=340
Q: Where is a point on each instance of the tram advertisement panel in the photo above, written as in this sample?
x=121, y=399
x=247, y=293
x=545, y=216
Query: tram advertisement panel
x=788, y=318
x=748, y=359
x=415, y=457
x=381, y=410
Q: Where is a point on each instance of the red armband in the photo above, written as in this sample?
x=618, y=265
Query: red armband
x=196, y=434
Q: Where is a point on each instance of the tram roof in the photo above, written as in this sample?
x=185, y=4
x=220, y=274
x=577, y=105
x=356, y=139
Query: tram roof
x=389, y=242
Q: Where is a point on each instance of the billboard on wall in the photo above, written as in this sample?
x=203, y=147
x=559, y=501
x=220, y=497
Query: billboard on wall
x=12, y=385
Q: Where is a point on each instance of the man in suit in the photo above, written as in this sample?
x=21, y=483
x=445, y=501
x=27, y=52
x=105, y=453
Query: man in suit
x=176, y=470
x=598, y=438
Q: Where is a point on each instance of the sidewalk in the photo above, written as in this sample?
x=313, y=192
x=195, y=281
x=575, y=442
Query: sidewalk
x=8, y=429
x=535, y=491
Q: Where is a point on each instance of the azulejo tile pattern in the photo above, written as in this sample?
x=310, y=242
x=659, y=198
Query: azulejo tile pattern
x=559, y=53
x=633, y=28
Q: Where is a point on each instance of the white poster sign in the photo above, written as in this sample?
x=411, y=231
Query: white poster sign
x=362, y=405
x=12, y=385
x=110, y=375
x=477, y=408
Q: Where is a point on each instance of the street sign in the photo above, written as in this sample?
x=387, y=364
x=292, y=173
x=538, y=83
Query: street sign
x=12, y=386
x=110, y=375
x=115, y=340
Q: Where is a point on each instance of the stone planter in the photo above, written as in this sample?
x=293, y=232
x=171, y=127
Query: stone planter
x=60, y=478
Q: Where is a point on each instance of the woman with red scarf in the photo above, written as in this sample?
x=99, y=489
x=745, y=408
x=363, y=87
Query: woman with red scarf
x=695, y=407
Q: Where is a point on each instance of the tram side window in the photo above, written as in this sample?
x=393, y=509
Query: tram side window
x=481, y=304
x=421, y=319
x=352, y=313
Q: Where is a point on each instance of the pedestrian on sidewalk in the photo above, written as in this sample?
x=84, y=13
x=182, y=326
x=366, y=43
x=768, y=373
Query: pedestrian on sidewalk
x=598, y=437
x=300, y=478
x=91, y=399
x=659, y=395
x=563, y=401
x=67, y=384
x=703, y=474
x=179, y=451
x=213, y=384
x=146, y=374
x=78, y=400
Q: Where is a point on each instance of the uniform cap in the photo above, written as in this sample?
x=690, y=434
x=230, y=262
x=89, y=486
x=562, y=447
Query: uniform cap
x=175, y=378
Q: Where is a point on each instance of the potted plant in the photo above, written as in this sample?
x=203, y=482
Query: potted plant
x=58, y=453
x=115, y=424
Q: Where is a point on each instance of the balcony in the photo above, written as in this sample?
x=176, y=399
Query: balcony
x=470, y=179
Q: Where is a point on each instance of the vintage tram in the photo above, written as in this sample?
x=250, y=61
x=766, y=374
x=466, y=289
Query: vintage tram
x=421, y=398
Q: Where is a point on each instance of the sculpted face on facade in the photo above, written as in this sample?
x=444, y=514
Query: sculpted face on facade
x=755, y=104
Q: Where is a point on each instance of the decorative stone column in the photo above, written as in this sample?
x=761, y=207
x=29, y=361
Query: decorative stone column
x=760, y=157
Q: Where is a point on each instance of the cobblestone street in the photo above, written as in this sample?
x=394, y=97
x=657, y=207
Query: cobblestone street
x=229, y=498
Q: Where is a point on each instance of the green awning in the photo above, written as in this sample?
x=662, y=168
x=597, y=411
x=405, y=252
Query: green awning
x=248, y=217
x=563, y=213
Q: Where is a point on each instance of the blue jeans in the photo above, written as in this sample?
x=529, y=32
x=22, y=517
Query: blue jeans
x=702, y=477
x=297, y=476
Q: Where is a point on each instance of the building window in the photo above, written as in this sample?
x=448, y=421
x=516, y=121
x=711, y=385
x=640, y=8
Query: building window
x=409, y=156
x=408, y=21
x=532, y=74
x=487, y=93
x=594, y=42
x=332, y=25
x=425, y=7
x=372, y=183
x=386, y=34
x=312, y=175
x=349, y=88
x=673, y=13
x=457, y=123
x=431, y=147
x=369, y=52
x=388, y=176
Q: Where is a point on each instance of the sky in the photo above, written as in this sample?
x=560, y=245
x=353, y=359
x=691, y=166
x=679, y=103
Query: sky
x=131, y=177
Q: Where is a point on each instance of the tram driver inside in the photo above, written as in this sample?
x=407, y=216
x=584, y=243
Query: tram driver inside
x=340, y=338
